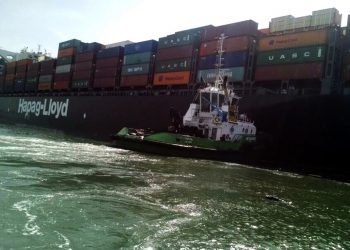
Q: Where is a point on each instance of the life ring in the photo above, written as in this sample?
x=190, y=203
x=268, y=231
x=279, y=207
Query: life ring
x=216, y=120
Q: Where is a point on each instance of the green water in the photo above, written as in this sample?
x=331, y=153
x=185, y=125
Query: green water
x=59, y=192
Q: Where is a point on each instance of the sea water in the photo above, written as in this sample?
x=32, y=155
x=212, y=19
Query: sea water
x=61, y=192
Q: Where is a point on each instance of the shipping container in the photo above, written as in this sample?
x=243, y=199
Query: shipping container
x=46, y=79
x=22, y=74
x=64, y=68
x=85, y=57
x=106, y=73
x=197, y=30
x=90, y=47
x=136, y=69
x=67, y=52
x=179, y=39
x=44, y=86
x=244, y=28
x=138, y=58
x=19, y=85
x=347, y=73
x=61, y=85
x=289, y=72
x=233, y=74
x=110, y=53
x=105, y=82
x=24, y=62
x=141, y=47
x=81, y=84
x=21, y=68
x=232, y=59
x=2, y=83
x=292, y=56
x=8, y=86
x=47, y=71
x=74, y=43
x=108, y=63
x=230, y=44
x=83, y=74
x=83, y=66
x=300, y=39
x=183, y=64
x=175, y=53
x=172, y=78
x=10, y=78
x=63, y=77
x=65, y=60
x=32, y=73
x=35, y=67
x=326, y=17
x=135, y=80
x=48, y=64
x=31, y=84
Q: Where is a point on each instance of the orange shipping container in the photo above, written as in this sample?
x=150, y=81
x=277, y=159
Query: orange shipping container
x=10, y=77
x=44, y=86
x=301, y=39
x=172, y=78
x=61, y=85
x=66, y=52
x=231, y=44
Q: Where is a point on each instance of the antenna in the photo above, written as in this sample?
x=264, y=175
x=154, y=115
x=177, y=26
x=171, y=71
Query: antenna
x=219, y=72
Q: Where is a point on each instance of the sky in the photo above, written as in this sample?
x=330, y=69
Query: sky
x=30, y=23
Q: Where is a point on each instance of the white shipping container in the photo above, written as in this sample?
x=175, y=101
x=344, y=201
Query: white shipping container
x=302, y=22
x=63, y=68
x=326, y=17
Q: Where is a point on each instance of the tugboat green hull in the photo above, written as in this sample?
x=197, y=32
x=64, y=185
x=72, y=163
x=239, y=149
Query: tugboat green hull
x=180, y=145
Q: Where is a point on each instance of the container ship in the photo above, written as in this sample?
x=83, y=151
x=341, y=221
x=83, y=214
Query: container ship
x=294, y=79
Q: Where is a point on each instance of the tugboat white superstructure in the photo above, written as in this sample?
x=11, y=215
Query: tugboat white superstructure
x=215, y=111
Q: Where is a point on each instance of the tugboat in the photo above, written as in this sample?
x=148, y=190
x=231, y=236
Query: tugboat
x=212, y=127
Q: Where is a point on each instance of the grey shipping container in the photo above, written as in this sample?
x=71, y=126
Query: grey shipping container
x=45, y=78
x=179, y=39
x=63, y=68
x=136, y=69
x=65, y=60
x=233, y=74
x=138, y=58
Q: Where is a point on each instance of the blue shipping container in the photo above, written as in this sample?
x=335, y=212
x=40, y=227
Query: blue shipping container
x=90, y=47
x=233, y=59
x=145, y=46
x=110, y=52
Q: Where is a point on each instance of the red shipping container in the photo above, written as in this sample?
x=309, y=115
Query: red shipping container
x=85, y=57
x=135, y=80
x=24, y=62
x=115, y=62
x=105, y=82
x=63, y=77
x=21, y=68
x=84, y=66
x=32, y=73
x=175, y=52
x=61, y=85
x=34, y=67
x=21, y=75
x=44, y=86
x=67, y=52
x=231, y=44
x=11, y=65
x=106, y=72
x=48, y=64
x=172, y=78
x=291, y=71
x=47, y=71
x=248, y=27
x=347, y=73
x=83, y=74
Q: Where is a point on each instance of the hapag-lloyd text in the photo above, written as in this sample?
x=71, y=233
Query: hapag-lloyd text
x=45, y=107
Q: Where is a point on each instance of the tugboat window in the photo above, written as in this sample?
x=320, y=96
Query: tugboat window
x=214, y=101
x=213, y=133
x=205, y=102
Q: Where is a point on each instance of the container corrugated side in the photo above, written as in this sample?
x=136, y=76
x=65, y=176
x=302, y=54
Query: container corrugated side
x=300, y=39
x=289, y=72
x=179, y=39
x=234, y=74
x=67, y=52
x=232, y=59
x=231, y=44
x=108, y=63
x=61, y=85
x=65, y=60
x=104, y=82
x=69, y=44
x=89, y=47
x=291, y=56
x=110, y=53
x=172, y=78
x=175, y=53
x=31, y=84
x=64, y=68
x=84, y=66
x=140, y=47
x=135, y=80
x=106, y=73
x=85, y=57
x=83, y=75
x=46, y=79
x=138, y=58
x=81, y=84
x=136, y=69
x=44, y=86
x=183, y=64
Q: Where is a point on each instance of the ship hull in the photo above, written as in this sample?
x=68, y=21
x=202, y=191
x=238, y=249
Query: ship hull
x=308, y=134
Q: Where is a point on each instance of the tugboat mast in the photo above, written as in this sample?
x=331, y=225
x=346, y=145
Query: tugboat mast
x=219, y=73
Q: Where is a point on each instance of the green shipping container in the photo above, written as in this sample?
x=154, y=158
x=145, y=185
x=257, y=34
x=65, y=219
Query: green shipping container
x=138, y=58
x=178, y=39
x=69, y=44
x=234, y=74
x=183, y=64
x=65, y=60
x=292, y=55
x=32, y=80
x=136, y=69
x=80, y=84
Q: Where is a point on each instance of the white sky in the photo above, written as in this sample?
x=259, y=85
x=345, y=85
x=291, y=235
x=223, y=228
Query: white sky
x=28, y=23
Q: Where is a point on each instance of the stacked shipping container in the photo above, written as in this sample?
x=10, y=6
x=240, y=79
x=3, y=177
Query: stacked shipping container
x=65, y=64
x=2, y=75
x=138, y=64
x=21, y=74
x=31, y=84
x=238, y=40
x=10, y=77
x=47, y=73
x=84, y=69
x=176, y=58
x=108, y=68
x=292, y=56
